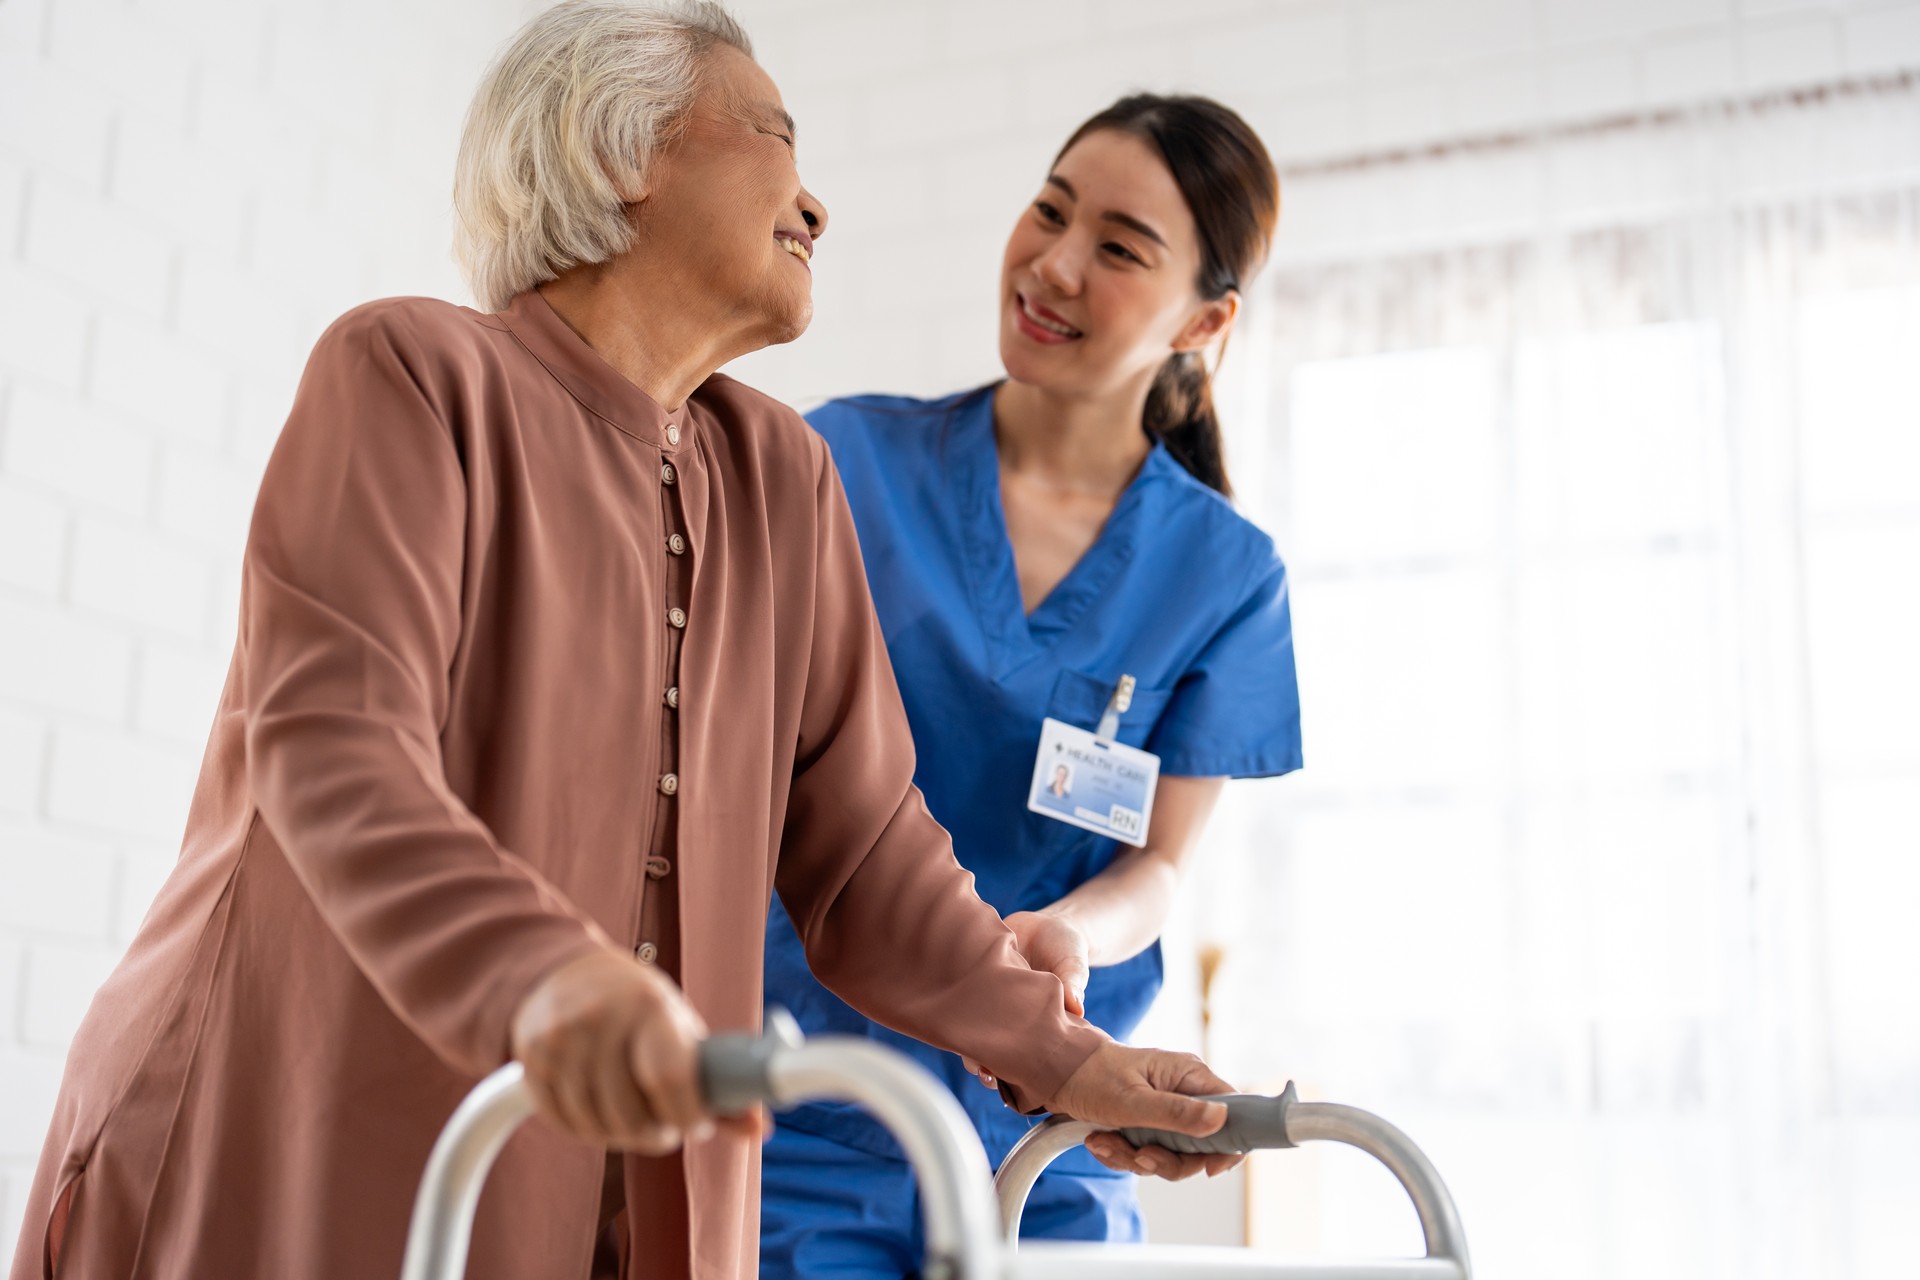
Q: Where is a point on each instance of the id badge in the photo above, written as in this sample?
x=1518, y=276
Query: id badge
x=1093, y=782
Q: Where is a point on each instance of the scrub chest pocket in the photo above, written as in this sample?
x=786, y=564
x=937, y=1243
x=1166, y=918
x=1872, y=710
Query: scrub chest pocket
x=1079, y=699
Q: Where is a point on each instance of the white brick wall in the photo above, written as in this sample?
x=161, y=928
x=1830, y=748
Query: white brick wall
x=33, y=529
x=23, y=751
x=59, y=884
x=53, y=659
x=56, y=440
x=60, y=980
x=191, y=189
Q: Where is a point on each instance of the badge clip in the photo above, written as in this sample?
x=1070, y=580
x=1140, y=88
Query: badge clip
x=1116, y=707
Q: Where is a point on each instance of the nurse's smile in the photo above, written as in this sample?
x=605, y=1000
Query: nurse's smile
x=1040, y=324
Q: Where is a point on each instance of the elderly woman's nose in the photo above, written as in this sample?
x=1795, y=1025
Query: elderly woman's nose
x=814, y=213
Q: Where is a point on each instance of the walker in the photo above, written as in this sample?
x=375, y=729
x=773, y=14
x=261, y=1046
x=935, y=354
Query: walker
x=966, y=1238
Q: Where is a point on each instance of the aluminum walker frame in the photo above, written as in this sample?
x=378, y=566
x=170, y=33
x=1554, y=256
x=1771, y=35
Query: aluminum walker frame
x=966, y=1237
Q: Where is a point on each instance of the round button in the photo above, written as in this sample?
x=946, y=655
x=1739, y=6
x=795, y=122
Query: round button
x=673, y=435
x=666, y=473
x=677, y=545
x=673, y=697
x=658, y=867
x=646, y=953
x=669, y=783
x=677, y=616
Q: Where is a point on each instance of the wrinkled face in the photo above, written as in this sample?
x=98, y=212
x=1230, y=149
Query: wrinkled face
x=724, y=211
x=1097, y=286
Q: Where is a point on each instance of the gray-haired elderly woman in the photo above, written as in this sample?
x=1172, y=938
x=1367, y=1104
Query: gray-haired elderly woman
x=555, y=661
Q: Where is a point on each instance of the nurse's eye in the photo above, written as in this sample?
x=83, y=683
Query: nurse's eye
x=1048, y=213
x=1121, y=251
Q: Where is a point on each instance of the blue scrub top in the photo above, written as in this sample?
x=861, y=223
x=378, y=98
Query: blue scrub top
x=1180, y=591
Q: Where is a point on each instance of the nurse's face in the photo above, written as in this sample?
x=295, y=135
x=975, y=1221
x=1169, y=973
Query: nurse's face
x=1097, y=287
x=725, y=218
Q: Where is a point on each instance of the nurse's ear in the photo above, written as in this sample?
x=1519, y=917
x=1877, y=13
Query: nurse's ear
x=1208, y=324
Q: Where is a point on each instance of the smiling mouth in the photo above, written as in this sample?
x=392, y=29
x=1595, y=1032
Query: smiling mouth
x=1043, y=322
x=794, y=247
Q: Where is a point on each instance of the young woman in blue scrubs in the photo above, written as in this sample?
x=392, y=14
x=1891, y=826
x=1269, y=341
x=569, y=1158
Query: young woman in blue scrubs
x=1028, y=544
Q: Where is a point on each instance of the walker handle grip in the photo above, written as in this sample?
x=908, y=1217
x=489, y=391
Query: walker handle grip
x=733, y=1067
x=1254, y=1123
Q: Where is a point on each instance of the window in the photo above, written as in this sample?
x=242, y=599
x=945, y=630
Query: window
x=1603, y=878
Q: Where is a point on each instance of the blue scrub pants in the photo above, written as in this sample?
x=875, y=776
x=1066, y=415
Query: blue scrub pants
x=828, y=1210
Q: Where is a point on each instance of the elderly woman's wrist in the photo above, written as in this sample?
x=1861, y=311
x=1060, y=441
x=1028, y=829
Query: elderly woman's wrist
x=1040, y=1079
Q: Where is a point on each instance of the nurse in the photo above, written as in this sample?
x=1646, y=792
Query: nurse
x=1063, y=585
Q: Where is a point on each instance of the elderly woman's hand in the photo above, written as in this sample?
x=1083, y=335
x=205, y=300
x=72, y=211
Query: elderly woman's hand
x=1122, y=1087
x=611, y=1050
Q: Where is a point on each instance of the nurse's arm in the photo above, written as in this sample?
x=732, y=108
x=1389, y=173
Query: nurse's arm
x=1120, y=912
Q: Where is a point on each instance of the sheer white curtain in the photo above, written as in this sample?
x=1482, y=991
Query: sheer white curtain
x=1597, y=462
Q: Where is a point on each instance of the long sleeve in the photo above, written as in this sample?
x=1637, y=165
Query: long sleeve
x=350, y=623
x=889, y=919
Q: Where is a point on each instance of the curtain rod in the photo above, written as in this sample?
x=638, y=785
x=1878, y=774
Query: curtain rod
x=1771, y=100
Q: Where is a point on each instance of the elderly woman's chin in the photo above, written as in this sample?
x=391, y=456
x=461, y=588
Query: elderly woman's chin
x=787, y=316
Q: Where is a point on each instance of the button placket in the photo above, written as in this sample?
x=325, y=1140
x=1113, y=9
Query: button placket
x=656, y=895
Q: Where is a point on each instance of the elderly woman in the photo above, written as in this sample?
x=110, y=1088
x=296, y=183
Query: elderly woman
x=555, y=661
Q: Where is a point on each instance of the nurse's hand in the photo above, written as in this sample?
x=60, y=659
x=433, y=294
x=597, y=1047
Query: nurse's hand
x=1055, y=945
x=611, y=1050
x=1124, y=1087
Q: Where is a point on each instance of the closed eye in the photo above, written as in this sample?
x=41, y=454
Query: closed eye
x=1121, y=250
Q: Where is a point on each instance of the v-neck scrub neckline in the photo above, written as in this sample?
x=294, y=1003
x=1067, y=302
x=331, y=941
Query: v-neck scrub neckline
x=992, y=573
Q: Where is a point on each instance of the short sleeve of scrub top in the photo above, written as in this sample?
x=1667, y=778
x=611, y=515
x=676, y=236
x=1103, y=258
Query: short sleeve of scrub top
x=1180, y=591
x=1204, y=732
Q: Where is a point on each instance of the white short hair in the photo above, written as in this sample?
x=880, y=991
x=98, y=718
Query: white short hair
x=563, y=129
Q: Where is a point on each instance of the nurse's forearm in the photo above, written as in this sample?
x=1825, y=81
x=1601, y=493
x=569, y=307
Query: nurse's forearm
x=1123, y=909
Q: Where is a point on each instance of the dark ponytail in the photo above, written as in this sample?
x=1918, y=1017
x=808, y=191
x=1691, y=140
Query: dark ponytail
x=1180, y=415
x=1231, y=188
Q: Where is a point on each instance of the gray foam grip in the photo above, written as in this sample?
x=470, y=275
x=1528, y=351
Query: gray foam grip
x=734, y=1067
x=733, y=1072
x=1254, y=1123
